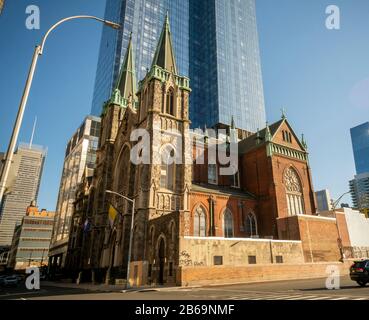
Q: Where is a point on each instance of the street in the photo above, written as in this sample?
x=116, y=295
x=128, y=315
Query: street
x=312, y=289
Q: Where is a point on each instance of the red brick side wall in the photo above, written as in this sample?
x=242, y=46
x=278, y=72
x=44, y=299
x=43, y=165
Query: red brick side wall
x=221, y=203
x=318, y=235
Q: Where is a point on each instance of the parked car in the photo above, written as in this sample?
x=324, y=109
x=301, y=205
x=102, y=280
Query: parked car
x=11, y=281
x=359, y=272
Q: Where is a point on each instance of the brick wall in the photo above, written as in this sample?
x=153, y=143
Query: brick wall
x=318, y=235
x=258, y=273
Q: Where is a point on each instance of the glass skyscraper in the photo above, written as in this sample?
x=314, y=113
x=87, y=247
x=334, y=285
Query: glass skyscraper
x=144, y=19
x=216, y=46
x=225, y=70
x=360, y=146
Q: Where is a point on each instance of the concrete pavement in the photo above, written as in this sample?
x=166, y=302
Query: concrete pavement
x=312, y=289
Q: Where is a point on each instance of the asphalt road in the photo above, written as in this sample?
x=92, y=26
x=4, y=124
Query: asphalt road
x=312, y=289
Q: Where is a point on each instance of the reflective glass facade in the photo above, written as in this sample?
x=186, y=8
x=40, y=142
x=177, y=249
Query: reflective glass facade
x=360, y=146
x=215, y=43
x=144, y=18
x=225, y=68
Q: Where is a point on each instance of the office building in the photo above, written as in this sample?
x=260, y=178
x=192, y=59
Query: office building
x=360, y=146
x=31, y=240
x=323, y=200
x=80, y=153
x=225, y=69
x=144, y=19
x=359, y=189
x=359, y=186
x=22, y=188
x=216, y=45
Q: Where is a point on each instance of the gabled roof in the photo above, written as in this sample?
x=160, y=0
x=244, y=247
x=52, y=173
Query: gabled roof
x=164, y=54
x=258, y=139
x=127, y=79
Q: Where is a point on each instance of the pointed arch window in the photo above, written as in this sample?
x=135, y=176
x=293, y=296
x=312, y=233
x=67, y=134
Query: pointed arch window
x=212, y=174
x=170, y=102
x=123, y=171
x=294, y=195
x=199, y=223
x=251, y=225
x=228, y=224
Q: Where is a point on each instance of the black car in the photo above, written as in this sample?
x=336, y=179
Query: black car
x=359, y=272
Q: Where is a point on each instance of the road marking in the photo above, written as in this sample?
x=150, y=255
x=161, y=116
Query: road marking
x=22, y=293
x=289, y=297
x=321, y=298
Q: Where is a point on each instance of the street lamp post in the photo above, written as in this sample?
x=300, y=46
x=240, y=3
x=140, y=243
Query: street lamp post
x=339, y=240
x=18, y=122
x=131, y=232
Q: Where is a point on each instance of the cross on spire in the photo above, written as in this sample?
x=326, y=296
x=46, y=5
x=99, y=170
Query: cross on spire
x=283, y=110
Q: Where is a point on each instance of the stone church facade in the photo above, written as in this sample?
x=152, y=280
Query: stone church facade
x=187, y=215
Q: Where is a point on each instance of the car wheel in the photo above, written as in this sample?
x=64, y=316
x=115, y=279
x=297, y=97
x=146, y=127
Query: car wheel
x=361, y=283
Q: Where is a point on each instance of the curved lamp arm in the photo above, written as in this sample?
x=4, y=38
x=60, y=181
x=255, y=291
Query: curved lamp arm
x=4, y=173
x=106, y=22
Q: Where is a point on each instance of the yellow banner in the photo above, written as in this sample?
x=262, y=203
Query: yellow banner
x=112, y=215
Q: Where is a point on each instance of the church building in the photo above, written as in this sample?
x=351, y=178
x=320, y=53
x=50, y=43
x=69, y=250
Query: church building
x=189, y=220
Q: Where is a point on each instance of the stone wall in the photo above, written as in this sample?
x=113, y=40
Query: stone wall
x=205, y=252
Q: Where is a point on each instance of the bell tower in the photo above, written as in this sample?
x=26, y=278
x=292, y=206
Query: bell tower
x=163, y=185
x=122, y=98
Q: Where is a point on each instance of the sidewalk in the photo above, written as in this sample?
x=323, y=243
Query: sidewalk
x=106, y=288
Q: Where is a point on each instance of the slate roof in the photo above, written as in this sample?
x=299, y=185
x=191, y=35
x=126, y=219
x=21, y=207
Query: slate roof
x=220, y=190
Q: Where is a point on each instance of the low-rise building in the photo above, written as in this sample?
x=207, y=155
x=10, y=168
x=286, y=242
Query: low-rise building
x=353, y=230
x=31, y=239
x=323, y=200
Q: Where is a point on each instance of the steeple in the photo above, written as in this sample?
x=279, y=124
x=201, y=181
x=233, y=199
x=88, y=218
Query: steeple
x=127, y=79
x=164, y=54
x=303, y=141
x=268, y=135
x=233, y=125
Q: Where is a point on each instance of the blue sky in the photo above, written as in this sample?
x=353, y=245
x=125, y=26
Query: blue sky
x=320, y=77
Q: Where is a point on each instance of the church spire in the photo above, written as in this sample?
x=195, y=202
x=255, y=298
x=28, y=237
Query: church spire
x=268, y=135
x=164, y=54
x=233, y=125
x=127, y=79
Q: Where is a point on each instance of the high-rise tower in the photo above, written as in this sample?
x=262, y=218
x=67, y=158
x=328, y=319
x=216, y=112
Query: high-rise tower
x=225, y=68
x=22, y=187
x=143, y=19
x=216, y=45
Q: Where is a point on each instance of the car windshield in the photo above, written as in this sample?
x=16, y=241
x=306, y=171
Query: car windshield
x=359, y=264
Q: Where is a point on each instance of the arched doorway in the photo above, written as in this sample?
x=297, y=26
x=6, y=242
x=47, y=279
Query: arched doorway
x=161, y=256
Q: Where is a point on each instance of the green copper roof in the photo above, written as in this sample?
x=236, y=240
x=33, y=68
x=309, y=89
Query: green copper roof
x=164, y=54
x=127, y=79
